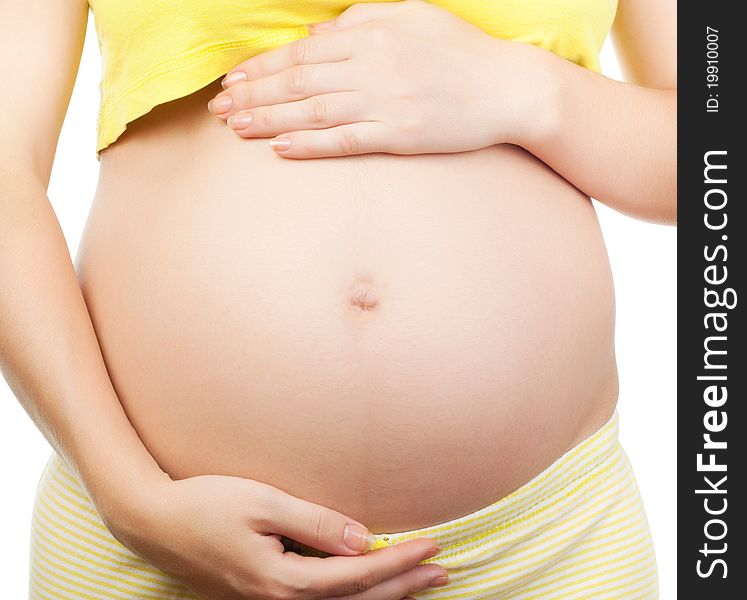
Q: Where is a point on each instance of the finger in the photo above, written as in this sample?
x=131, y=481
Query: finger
x=344, y=575
x=303, y=51
x=361, y=12
x=317, y=112
x=344, y=140
x=314, y=525
x=409, y=582
x=296, y=83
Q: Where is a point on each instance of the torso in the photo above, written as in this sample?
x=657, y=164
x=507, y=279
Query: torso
x=402, y=338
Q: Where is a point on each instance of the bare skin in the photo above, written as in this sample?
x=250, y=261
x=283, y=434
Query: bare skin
x=387, y=336
x=294, y=345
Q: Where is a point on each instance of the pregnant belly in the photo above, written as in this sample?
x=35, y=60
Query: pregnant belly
x=403, y=339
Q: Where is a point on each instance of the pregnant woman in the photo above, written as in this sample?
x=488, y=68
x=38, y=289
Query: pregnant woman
x=341, y=323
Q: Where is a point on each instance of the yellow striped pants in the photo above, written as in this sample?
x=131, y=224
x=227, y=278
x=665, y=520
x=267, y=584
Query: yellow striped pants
x=577, y=530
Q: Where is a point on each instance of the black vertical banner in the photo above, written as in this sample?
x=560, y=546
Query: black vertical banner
x=712, y=425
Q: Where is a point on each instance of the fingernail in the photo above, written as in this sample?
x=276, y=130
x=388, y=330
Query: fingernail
x=239, y=121
x=220, y=104
x=280, y=144
x=357, y=537
x=321, y=25
x=232, y=78
x=439, y=581
x=433, y=552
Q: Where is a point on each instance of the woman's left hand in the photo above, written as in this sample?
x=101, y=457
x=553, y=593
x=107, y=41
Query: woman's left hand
x=398, y=77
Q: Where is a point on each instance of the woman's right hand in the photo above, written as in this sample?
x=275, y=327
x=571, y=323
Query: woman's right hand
x=221, y=537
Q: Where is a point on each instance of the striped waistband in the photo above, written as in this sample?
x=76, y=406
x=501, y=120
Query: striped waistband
x=568, y=475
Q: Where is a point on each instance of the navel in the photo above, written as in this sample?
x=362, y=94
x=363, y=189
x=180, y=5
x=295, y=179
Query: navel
x=363, y=294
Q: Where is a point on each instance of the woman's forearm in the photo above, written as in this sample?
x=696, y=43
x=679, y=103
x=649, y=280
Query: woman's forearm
x=614, y=141
x=50, y=356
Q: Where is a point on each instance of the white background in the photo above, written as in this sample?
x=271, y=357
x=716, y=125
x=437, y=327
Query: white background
x=643, y=265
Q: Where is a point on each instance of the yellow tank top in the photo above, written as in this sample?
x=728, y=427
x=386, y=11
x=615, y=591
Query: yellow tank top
x=154, y=51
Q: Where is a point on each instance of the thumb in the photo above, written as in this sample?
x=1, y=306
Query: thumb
x=318, y=526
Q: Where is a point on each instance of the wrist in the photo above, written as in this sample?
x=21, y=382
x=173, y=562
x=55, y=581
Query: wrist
x=118, y=472
x=536, y=94
x=131, y=507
